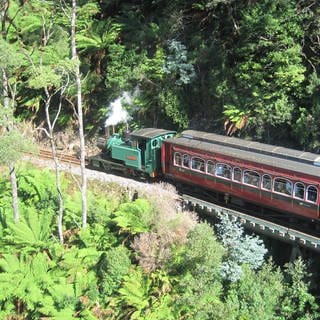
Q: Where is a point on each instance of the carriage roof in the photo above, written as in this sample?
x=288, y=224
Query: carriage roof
x=278, y=157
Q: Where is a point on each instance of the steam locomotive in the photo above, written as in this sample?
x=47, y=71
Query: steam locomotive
x=236, y=170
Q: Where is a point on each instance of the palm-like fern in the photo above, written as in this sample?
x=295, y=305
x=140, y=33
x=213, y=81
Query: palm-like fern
x=144, y=297
x=98, y=36
x=135, y=293
x=133, y=217
x=31, y=234
x=30, y=284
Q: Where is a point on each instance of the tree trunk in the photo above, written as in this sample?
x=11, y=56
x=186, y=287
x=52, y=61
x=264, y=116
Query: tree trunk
x=13, y=178
x=50, y=135
x=58, y=184
x=6, y=104
x=80, y=116
x=14, y=191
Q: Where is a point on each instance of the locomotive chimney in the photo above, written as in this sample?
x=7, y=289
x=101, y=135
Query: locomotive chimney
x=107, y=131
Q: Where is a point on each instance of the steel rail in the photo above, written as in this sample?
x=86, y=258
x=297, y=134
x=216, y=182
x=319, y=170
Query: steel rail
x=47, y=154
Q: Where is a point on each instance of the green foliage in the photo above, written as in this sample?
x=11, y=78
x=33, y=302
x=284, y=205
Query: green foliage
x=10, y=56
x=13, y=145
x=298, y=302
x=51, y=67
x=31, y=233
x=5, y=201
x=270, y=70
x=207, y=5
x=113, y=265
x=200, y=287
x=256, y=295
x=135, y=292
x=177, y=63
x=203, y=252
x=306, y=127
x=133, y=217
x=78, y=265
x=37, y=188
x=173, y=108
x=100, y=35
x=93, y=276
x=121, y=67
x=258, y=58
x=31, y=282
x=100, y=209
x=139, y=298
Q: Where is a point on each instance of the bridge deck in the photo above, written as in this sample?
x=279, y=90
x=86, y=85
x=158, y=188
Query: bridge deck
x=258, y=225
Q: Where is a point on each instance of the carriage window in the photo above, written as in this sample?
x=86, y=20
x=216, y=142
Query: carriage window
x=177, y=159
x=197, y=164
x=223, y=171
x=299, y=190
x=282, y=186
x=237, y=174
x=312, y=194
x=210, y=167
x=252, y=178
x=185, y=161
x=266, y=182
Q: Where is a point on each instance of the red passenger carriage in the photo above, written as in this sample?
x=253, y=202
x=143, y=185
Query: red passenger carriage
x=244, y=171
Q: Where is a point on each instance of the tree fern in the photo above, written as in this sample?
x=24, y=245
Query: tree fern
x=135, y=292
x=98, y=36
x=32, y=233
x=37, y=284
x=79, y=265
x=133, y=217
x=37, y=188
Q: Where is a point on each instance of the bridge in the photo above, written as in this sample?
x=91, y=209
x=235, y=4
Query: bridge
x=260, y=226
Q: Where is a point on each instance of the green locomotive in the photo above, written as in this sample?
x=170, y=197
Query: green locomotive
x=137, y=153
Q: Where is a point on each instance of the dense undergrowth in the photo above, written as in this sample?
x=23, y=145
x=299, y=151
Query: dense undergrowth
x=141, y=257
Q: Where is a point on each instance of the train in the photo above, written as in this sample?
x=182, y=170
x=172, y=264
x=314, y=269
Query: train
x=234, y=170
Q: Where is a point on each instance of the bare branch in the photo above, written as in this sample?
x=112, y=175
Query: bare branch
x=63, y=89
x=43, y=130
x=63, y=6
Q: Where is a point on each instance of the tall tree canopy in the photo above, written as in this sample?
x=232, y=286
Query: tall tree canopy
x=253, y=65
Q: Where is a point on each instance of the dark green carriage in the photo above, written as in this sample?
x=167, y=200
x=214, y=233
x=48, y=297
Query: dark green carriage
x=141, y=151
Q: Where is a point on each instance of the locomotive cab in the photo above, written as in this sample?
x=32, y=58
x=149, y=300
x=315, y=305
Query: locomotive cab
x=139, y=151
x=148, y=142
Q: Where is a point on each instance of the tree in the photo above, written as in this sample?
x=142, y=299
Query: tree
x=199, y=287
x=79, y=113
x=269, y=70
x=256, y=295
x=297, y=301
x=50, y=71
x=10, y=61
x=241, y=249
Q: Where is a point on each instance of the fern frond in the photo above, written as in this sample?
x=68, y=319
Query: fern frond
x=131, y=217
x=135, y=290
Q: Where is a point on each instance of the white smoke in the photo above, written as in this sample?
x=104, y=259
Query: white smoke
x=117, y=113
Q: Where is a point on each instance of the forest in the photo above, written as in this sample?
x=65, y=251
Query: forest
x=249, y=68
x=72, y=248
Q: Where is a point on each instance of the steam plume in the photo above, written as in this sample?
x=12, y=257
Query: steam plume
x=117, y=113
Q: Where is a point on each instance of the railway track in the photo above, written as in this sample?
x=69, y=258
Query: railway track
x=62, y=157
